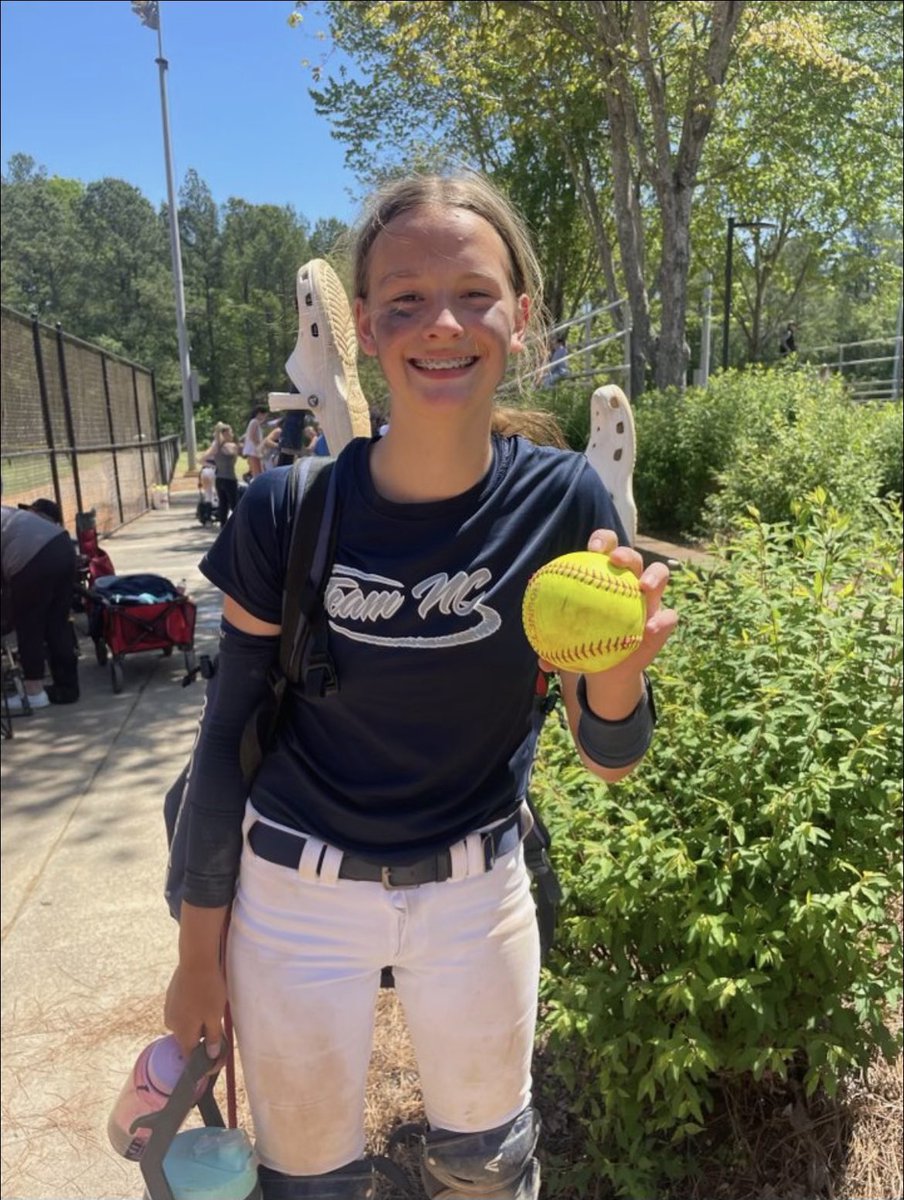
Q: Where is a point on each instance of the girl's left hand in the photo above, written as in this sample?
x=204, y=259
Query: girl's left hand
x=653, y=581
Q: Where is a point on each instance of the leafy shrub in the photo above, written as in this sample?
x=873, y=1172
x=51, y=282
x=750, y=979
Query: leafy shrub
x=761, y=437
x=727, y=906
x=684, y=439
x=818, y=438
x=569, y=402
x=886, y=436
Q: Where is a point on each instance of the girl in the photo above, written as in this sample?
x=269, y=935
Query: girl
x=253, y=439
x=385, y=825
x=224, y=451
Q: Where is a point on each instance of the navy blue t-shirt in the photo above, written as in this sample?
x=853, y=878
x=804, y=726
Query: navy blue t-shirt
x=429, y=736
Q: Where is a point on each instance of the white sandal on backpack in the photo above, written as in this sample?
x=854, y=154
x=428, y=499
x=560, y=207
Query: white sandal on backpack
x=611, y=451
x=323, y=365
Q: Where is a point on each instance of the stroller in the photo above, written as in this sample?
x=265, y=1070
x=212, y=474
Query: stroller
x=128, y=614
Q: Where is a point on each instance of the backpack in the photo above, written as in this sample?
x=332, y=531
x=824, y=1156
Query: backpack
x=304, y=657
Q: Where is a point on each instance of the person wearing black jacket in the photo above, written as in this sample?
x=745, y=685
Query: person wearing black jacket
x=38, y=577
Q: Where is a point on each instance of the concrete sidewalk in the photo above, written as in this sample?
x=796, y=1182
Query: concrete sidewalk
x=88, y=944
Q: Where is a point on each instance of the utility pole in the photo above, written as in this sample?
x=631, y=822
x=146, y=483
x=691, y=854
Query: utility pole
x=149, y=13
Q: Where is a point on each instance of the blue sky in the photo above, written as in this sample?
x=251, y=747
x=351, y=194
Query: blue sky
x=80, y=94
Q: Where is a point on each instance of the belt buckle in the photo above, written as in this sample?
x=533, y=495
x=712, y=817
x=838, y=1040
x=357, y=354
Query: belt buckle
x=386, y=880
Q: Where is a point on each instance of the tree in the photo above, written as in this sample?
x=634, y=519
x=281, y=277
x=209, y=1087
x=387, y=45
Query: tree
x=126, y=291
x=640, y=103
x=39, y=239
x=202, y=258
x=262, y=246
x=544, y=55
x=809, y=139
x=329, y=233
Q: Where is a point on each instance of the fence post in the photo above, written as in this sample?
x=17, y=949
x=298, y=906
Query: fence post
x=896, y=374
x=67, y=410
x=103, y=366
x=45, y=410
x=144, y=474
x=164, y=475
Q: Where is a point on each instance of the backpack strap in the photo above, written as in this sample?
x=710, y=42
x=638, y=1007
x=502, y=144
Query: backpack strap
x=537, y=842
x=312, y=489
x=311, y=550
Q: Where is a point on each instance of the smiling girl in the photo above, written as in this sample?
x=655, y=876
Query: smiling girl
x=385, y=824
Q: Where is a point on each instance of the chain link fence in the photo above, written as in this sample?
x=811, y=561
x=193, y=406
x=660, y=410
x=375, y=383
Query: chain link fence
x=79, y=425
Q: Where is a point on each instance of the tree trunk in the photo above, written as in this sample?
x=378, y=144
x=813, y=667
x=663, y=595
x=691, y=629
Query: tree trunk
x=581, y=173
x=671, y=357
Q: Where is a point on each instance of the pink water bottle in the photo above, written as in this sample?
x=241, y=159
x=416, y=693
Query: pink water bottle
x=147, y=1090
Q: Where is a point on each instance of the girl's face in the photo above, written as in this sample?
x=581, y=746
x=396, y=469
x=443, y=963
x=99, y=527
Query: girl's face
x=441, y=314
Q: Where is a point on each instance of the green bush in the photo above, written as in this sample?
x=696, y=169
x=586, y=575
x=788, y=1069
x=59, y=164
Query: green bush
x=569, y=402
x=818, y=437
x=759, y=437
x=885, y=437
x=728, y=906
x=684, y=439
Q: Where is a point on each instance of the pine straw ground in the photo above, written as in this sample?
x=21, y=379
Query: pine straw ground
x=762, y=1142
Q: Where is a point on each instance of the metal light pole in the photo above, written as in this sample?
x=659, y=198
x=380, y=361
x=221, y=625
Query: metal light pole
x=706, y=330
x=729, y=247
x=149, y=13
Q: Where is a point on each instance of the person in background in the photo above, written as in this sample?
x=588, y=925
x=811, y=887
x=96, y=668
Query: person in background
x=558, y=368
x=787, y=345
x=38, y=559
x=224, y=451
x=270, y=445
x=48, y=509
x=253, y=437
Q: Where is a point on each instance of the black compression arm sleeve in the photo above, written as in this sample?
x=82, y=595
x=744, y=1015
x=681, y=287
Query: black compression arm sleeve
x=216, y=790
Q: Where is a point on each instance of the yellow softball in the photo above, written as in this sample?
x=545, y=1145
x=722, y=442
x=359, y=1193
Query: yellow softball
x=581, y=613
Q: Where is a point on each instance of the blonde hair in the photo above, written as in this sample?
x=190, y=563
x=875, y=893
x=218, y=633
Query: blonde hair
x=474, y=193
x=534, y=424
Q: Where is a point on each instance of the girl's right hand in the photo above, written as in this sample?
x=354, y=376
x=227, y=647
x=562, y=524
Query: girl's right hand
x=195, y=1004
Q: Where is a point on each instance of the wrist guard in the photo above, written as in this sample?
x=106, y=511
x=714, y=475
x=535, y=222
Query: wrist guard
x=617, y=743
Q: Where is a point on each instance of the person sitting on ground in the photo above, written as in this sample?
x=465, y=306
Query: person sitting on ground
x=38, y=561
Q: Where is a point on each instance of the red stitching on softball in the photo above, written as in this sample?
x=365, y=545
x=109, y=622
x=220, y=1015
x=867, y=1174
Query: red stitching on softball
x=608, y=582
x=576, y=653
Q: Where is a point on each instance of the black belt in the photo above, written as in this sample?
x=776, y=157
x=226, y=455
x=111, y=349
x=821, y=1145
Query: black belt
x=284, y=848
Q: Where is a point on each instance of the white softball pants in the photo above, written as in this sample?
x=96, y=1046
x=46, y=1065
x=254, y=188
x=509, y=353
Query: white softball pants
x=303, y=963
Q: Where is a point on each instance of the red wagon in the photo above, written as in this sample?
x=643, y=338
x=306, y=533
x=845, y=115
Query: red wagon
x=129, y=614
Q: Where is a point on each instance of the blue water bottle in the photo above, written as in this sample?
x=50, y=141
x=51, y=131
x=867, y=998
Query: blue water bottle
x=209, y=1163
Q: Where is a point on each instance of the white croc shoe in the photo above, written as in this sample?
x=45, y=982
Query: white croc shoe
x=323, y=365
x=611, y=451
